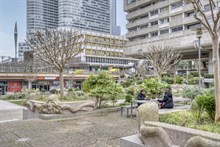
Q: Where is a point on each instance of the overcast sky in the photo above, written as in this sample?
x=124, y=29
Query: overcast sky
x=15, y=10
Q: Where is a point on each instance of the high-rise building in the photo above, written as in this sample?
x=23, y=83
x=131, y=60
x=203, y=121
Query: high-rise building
x=92, y=15
x=115, y=30
x=167, y=22
x=41, y=14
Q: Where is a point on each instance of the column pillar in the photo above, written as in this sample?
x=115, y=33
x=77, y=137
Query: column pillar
x=29, y=84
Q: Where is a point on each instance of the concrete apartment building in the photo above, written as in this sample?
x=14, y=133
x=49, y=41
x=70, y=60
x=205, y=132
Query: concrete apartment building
x=104, y=50
x=167, y=22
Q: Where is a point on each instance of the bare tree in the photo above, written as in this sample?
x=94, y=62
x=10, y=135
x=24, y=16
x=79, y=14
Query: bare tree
x=213, y=28
x=162, y=58
x=56, y=48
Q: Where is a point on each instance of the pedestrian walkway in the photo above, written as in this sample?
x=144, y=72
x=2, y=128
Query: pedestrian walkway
x=11, y=112
x=100, y=129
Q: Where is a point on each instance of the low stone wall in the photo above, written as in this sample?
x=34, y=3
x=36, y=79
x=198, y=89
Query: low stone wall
x=179, y=136
x=63, y=107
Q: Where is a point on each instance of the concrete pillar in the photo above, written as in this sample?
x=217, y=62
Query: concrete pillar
x=210, y=64
x=29, y=84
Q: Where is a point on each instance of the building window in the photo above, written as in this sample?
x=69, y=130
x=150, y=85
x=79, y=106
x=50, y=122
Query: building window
x=145, y=16
x=164, y=21
x=177, y=5
x=154, y=23
x=164, y=9
x=164, y=31
x=192, y=26
x=175, y=17
x=145, y=26
x=131, y=1
x=153, y=34
x=208, y=7
x=152, y=13
x=176, y=29
x=189, y=14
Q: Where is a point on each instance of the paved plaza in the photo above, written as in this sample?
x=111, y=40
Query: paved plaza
x=98, y=130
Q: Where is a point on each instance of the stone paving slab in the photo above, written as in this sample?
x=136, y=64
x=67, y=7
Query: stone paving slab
x=93, y=130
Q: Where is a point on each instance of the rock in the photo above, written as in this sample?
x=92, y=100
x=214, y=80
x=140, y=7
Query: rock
x=147, y=112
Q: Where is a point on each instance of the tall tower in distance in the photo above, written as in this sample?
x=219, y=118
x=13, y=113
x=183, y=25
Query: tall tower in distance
x=115, y=30
x=16, y=39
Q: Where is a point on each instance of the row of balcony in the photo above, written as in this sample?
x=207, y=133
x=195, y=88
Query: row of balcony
x=146, y=10
x=178, y=22
x=179, y=39
x=181, y=21
x=139, y=3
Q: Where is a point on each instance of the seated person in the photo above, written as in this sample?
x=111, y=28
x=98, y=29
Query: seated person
x=141, y=96
x=167, y=101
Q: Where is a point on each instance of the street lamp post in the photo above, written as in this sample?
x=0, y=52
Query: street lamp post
x=199, y=36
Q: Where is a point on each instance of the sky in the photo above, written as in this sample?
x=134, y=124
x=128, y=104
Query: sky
x=15, y=10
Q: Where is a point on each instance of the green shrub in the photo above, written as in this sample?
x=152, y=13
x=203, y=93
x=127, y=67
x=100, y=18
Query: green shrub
x=122, y=76
x=54, y=91
x=165, y=75
x=128, y=98
x=190, y=91
x=70, y=89
x=153, y=87
x=193, y=81
x=125, y=84
x=194, y=74
x=77, y=89
x=179, y=79
x=168, y=80
x=209, y=76
x=206, y=102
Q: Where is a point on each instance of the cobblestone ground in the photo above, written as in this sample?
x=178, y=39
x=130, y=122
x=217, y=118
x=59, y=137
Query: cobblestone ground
x=94, y=130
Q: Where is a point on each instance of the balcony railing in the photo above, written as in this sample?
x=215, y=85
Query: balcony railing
x=146, y=10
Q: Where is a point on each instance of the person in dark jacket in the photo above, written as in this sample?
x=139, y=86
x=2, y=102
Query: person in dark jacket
x=141, y=96
x=167, y=101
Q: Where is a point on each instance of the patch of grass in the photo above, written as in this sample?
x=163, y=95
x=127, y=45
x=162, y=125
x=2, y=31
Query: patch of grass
x=187, y=119
x=18, y=102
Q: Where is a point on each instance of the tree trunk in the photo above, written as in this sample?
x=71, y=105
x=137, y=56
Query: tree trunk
x=61, y=84
x=100, y=102
x=159, y=76
x=215, y=49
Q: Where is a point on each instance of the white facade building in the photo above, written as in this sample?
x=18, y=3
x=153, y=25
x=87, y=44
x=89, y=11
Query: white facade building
x=22, y=47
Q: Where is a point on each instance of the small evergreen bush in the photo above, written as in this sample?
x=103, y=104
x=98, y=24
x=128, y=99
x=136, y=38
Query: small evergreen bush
x=128, y=98
x=190, y=91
